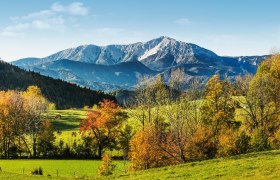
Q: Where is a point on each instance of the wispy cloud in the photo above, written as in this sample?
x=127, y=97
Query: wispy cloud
x=75, y=8
x=35, y=15
x=53, y=18
x=182, y=21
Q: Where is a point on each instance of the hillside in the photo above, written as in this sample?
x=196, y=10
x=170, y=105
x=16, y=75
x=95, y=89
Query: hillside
x=115, y=67
x=64, y=95
x=262, y=165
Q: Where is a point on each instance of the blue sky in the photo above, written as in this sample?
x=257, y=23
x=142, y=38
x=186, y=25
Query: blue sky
x=32, y=28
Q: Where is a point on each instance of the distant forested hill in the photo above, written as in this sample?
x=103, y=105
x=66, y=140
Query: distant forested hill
x=63, y=94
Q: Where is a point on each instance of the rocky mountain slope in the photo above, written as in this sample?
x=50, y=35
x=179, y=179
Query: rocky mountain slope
x=118, y=66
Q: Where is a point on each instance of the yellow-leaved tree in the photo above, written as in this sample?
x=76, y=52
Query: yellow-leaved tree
x=262, y=104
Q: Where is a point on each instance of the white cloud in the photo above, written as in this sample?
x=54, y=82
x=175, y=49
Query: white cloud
x=17, y=27
x=53, y=18
x=41, y=24
x=182, y=21
x=53, y=22
x=38, y=15
x=37, y=23
x=75, y=8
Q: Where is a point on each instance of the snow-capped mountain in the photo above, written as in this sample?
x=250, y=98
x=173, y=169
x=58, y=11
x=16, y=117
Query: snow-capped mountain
x=91, y=64
x=152, y=53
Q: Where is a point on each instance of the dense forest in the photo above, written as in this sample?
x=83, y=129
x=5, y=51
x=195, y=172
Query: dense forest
x=63, y=94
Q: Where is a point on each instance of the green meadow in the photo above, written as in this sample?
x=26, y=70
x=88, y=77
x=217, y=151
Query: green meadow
x=57, y=168
x=66, y=120
x=262, y=165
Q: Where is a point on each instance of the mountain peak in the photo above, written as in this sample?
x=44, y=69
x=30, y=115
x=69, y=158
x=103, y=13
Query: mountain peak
x=164, y=38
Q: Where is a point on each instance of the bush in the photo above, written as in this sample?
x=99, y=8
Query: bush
x=52, y=106
x=202, y=145
x=37, y=171
x=242, y=143
x=260, y=140
x=107, y=167
x=227, y=144
x=274, y=140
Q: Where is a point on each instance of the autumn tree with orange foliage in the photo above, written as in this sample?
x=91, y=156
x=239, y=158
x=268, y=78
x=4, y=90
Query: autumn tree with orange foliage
x=104, y=124
x=146, y=151
x=21, y=119
x=11, y=119
x=107, y=167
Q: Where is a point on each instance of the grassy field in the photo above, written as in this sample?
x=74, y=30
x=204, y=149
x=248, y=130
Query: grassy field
x=263, y=165
x=69, y=120
x=66, y=122
x=65, y=168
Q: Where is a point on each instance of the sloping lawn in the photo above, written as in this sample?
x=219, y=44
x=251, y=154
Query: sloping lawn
x=263, y=165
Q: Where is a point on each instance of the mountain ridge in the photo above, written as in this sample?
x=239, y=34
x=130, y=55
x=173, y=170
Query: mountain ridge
x=100, y=64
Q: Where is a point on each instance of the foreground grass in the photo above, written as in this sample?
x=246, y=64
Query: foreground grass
x=14, y=176
x=66, y=168
x=263, y=165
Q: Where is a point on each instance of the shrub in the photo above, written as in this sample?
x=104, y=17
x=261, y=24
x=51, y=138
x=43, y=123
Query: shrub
x=242, y=143
x=37, y=171
x=202, y=145
x=107, y=167
x=274, y=140
x=52, y=106
x=259, y=140
x=227, y=145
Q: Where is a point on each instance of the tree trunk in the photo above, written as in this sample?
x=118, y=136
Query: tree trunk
x=34, y=147
x=19, y=144
x=100, y=151
x=29, y=151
